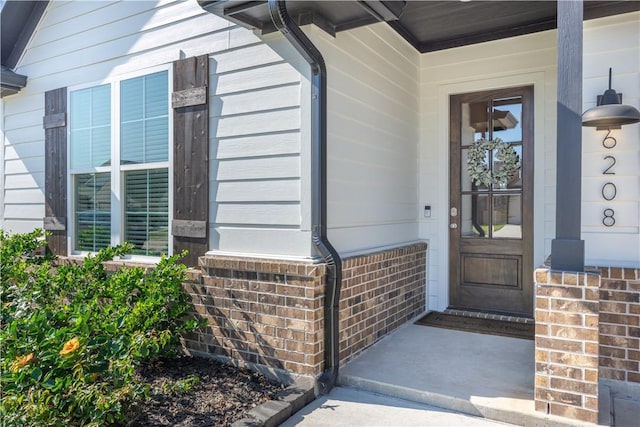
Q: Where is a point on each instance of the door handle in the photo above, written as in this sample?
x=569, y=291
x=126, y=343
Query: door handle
x=453, y=225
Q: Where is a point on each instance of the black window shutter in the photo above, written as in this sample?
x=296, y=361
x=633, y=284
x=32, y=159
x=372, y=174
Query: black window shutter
x=190, y=228
x=55, y=167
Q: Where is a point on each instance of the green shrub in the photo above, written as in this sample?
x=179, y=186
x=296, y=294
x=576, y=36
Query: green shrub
x=72, y=336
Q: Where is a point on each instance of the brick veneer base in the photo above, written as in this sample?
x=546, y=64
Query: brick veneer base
x=620, y=324
x=566, y=344
x=380, y=291
x=260, y=312
x=270, y=313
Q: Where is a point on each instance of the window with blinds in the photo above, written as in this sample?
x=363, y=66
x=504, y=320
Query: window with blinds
x=146, y=219
x=144, y=119
x=90, y=158
x=144, y=148
x=92, y=211
x=90, y=124
x=131, y=170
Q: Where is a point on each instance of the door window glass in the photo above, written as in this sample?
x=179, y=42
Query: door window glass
x=491, y=205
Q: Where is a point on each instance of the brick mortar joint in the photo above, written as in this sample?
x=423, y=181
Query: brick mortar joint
x=569, y=285
x=394, y=253
x=312, y=269
x=605, y=272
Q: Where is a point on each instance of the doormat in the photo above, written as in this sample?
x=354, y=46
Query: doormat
x=477, y=325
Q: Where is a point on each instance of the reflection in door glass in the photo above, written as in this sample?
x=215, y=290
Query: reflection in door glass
x=475, y=216
x=515, y=181
x=465, y=178
x=475, y=117
x=507, y=217
x=507, y=119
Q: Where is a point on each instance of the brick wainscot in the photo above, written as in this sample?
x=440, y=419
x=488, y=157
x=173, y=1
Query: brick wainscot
x=269, y=314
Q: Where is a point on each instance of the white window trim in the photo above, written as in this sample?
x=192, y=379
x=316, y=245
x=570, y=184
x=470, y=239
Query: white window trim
x=116, y=178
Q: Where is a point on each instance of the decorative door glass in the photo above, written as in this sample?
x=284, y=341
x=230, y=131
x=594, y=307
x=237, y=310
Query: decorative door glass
x=491, y=174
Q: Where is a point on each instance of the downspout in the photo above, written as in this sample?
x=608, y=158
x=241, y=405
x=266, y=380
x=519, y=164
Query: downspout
x=312, y=55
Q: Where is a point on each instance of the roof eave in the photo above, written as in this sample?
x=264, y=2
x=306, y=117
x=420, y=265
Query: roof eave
x=10, y=82
x=24, y=16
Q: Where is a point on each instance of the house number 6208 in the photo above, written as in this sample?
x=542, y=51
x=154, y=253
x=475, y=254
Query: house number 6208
x=609, y=190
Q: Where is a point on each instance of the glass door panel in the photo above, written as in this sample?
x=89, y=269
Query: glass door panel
x=490, y=173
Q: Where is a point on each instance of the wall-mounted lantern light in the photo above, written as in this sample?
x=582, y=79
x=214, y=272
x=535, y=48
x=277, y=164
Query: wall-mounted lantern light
x=610, y=112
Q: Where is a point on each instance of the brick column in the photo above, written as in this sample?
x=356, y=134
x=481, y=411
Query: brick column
x=620, y=324
x=566, y=380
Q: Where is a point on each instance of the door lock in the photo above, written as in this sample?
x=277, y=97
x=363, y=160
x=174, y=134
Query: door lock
x=453, y=212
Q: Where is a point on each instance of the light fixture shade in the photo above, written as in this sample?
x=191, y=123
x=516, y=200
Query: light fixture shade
x=610, y=112
x=610, y=115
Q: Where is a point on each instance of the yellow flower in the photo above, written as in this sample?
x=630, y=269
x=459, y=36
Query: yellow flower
x=21, y=361
x=70, y=346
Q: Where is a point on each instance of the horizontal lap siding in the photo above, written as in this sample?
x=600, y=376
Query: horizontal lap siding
x=23, y=169
x=23, y=166
x=372, y=76
x=256, y=171
x=255, y=111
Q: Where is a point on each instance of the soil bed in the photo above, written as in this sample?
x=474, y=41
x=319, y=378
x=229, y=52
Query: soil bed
x=222, y=394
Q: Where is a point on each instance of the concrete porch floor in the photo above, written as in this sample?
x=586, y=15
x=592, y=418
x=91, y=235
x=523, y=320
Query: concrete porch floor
x=482, y=375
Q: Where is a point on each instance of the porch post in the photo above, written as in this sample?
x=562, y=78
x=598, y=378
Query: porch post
x=567, y=250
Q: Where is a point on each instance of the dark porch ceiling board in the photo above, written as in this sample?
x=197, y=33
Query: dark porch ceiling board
x=427, y=25
x=446, y=24
x=453, y=24
x=448, y=20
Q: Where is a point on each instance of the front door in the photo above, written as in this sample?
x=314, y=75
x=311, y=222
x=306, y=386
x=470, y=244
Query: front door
x=491, y=201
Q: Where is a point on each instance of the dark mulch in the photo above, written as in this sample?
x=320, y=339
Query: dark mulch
x=222, y=395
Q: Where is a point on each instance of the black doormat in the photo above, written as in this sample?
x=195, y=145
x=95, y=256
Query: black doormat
x=481, y=326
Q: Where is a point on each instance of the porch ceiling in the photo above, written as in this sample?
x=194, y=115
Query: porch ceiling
x=427, y=25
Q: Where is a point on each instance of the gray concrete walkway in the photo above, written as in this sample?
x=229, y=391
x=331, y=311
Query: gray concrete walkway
x=625, y=403
x=349, y=407
x=479, y=375
x=424, y=376
x=482, y=375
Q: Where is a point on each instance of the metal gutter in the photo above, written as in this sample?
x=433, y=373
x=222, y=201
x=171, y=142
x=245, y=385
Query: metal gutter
x=292, y=32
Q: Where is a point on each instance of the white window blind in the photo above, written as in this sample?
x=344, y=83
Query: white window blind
x=90, y=127
x=147, y=210
x=92, y=211
x=144, y=120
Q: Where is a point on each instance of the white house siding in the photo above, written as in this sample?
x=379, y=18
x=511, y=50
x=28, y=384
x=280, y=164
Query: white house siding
x=532, y=59
x=612, y=42
x=255, y=111
x=518, y=61
x=372, y=127
x=257, y=138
